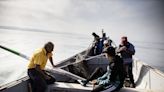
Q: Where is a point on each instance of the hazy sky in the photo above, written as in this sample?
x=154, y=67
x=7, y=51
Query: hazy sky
x=134, y=18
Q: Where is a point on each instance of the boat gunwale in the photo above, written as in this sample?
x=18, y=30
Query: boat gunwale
x=155, y=70
x=13, y=83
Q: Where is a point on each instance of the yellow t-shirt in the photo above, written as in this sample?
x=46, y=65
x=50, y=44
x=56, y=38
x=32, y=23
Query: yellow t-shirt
x=39, y=58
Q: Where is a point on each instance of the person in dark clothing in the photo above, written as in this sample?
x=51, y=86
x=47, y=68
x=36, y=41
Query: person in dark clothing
x=113, y=79
x=97, y=45
x=95, y=35
x=126, y=49
x=38, y=77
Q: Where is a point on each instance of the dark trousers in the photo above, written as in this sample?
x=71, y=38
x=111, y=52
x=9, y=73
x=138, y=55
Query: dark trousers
x=38, y=82
x=129, y=72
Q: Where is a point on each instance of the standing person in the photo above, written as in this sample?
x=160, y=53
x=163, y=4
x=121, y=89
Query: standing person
x=38, y=77
x=97, y=45
x=127, y=50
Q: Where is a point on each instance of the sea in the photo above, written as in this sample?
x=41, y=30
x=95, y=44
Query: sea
x=26, y=42
x=13, y=67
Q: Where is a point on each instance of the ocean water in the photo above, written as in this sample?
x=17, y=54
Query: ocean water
x=14, y=67
x=26, y=25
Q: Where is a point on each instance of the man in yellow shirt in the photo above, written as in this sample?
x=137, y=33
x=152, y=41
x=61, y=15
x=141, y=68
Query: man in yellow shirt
x=38, y=77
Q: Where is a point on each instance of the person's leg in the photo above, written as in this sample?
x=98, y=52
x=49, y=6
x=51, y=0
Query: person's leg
x=38, y=83
x=126, y=70
x=126, y=75
x=51, y=80
x=41, y=84
x=96, y=73
x=98, y=88
x=30, y=74
x=130, y=71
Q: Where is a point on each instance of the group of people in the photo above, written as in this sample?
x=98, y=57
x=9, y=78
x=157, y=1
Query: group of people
x=120, y=64
x=113, y=79
x=99, y=43
x=119, y=68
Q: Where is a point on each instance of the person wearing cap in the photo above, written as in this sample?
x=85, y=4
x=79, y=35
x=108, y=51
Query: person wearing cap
x=127, y=50
x=38, y=77
x=113, y=79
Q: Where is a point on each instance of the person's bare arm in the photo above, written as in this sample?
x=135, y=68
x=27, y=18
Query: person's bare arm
x=51, y=61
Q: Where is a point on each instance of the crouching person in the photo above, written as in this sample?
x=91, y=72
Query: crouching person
x=38, y=77
x=113, y=79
